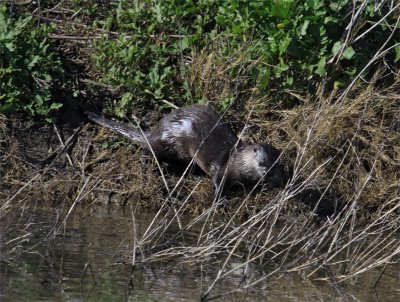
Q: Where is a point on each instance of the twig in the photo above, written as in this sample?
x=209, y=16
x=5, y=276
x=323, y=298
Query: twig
x=88, y=266
x=169, y=104
x=62, y=145
x=64, y=37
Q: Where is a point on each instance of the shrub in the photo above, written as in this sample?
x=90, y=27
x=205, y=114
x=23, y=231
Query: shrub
x=28, y=66
x=143, y=63
x=289, y=44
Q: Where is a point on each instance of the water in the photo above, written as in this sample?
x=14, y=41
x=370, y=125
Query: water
x=87, y=261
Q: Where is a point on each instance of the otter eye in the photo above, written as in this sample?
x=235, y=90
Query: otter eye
x=255, y=150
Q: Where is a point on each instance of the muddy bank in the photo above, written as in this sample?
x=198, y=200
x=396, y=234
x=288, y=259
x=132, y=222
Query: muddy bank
x=75, y=160
x=53, y=163
x=274, y=229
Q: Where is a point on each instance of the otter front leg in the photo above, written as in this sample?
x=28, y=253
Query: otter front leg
x=221, y=183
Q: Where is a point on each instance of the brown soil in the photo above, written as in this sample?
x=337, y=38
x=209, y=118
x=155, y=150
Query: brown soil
x=56, y=164
x=83, y=162
x=333, y=154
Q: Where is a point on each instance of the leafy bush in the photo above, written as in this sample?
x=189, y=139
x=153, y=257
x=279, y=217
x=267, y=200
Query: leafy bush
x=294, y=41
x=144, y=62
x=290, y=44
x=28, y=66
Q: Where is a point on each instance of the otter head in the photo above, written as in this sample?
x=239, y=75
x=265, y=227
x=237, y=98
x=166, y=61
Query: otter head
x=263, y=159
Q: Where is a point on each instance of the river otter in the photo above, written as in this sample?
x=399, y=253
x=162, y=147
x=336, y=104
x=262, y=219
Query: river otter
x=199, y=133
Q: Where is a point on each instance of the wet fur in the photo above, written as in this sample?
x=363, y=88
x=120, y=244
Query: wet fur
x=199, y=133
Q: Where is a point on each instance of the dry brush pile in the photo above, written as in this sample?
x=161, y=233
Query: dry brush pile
x=342, y=156
x=336, y=217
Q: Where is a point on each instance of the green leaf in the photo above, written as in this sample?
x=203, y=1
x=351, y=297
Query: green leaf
x=33, y=62
x=227, y=102
x=10, y=46
x=351, y=71
x=284, y=44
x=348, y=53
x=283, y=66
x=220, y=19
x=304, y=27
x=184, y=43
x=397, y=50
x=336, y=47
x=289, y=81
x=56, y=106
x=237, y=29
x=39, y=99
x=6, y=107
x=50, y=120
x=280, y=9
x=280, y=68
x=126, y=100
x=314, y=4
x=338, y=84
x=321, y=70
x=264, y=81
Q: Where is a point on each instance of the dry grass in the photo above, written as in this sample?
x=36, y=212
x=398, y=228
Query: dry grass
x=347, y=150
x=346, y=136
x=38, y=168
x=341, y=151
x=355, y=141
x=268, y=230
x=341, y=157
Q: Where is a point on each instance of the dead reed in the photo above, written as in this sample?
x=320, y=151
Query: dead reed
x=337, y=216
x=344, y=163
x=346, y=154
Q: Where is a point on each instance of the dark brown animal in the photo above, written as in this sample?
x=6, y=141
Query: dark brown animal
x=198, y=133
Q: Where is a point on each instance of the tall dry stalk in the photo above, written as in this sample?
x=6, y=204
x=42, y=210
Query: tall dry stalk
x=341, y=151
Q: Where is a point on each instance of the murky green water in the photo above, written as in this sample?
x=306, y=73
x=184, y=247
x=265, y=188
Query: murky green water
x=84, y=263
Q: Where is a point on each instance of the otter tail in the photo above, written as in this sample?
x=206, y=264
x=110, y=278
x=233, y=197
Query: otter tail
x=122, y=128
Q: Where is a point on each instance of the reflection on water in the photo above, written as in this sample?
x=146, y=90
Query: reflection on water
x=83, y=263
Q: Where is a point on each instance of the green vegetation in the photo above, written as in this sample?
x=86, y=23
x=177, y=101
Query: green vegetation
x=28, y=66
x=319, y=80
x=281, y=45
x=146, y=51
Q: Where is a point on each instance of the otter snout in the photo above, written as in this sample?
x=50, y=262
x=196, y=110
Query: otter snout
x=268, y=163
x=261, y=162
x=274, y=176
